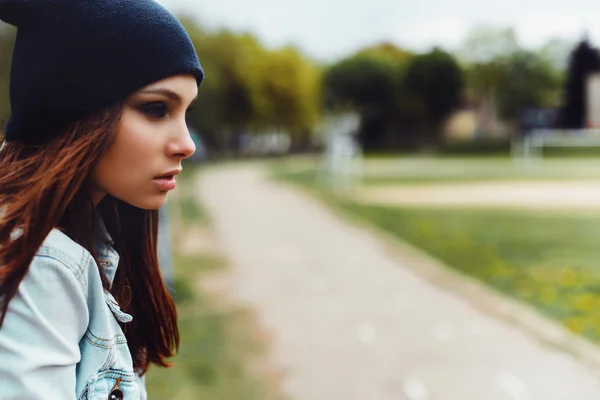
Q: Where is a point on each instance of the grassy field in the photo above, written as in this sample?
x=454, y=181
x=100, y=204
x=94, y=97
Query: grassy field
x=412, y=169
x=220, y=344
x=548, y=259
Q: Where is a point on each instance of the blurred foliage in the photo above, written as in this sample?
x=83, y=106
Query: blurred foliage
x=434, y=81
x=484, y=44
x=370, y=82
x=526, y=82
x=249, y=89
x=404, y=99
x=507, y=78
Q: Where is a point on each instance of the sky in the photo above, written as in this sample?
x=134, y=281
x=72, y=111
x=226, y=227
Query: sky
x=327, y=30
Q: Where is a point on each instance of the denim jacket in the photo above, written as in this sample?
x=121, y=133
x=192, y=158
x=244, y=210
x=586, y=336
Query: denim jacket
x=60, y=339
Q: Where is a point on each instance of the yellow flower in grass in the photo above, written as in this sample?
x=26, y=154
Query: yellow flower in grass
x=542, y=274
x=548, y=295
x=595, y=324
x=567, y=278
x=575, y=325
x=524, y=288
x=587, y=302
x=499, y=269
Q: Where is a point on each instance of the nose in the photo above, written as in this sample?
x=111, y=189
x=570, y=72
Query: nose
x=183, y=146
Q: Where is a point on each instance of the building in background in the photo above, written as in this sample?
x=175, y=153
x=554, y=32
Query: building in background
x=592, y=111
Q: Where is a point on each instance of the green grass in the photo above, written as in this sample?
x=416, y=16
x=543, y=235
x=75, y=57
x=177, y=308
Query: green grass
x=191, y=208
x=411, y=169
x=218, y=345
x=549, y=260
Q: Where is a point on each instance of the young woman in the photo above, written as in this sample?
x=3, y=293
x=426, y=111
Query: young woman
x=99, y=91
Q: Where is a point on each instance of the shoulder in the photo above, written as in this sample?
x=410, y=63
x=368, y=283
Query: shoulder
x=62, y=251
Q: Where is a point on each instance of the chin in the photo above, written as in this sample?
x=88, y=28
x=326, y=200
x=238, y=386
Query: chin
x=150, y=203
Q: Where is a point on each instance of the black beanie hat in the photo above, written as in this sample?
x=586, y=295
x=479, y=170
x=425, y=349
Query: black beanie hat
x=74, y=57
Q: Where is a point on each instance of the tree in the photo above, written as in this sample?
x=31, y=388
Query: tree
x=364, y=82
x=484, y=44
x=370, y=83
x=289, y=86
x=249, y=89
x=386, y=50
x=226, y=101
x=556, y=52
x=526, y=82
x=435, y=81
x=583, y=60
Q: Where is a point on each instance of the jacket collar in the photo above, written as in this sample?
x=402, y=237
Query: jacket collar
x=104, y=246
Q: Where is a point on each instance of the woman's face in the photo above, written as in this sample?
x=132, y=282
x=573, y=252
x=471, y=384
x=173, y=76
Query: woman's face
x=153, y=138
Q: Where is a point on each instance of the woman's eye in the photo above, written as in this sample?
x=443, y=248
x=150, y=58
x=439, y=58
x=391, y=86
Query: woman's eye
x=155, y=110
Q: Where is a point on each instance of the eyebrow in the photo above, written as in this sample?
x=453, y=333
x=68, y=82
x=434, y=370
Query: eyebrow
x=167, y=93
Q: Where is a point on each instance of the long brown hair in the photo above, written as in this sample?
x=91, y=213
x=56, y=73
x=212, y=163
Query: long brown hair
x=47, y=186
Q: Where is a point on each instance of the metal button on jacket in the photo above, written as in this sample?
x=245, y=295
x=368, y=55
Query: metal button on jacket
x=116, y=394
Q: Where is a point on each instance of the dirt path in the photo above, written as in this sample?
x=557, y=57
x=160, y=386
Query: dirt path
x=549, y=195
x=349, y=322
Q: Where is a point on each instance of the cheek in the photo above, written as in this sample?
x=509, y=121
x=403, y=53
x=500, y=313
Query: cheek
x=129, y=162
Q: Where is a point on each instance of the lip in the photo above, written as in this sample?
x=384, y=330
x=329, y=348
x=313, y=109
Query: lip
x=173, y=172
x=166, y=181
x=165, y=184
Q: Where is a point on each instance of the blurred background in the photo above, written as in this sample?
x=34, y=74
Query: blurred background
x=419, y=75
x=389, y=200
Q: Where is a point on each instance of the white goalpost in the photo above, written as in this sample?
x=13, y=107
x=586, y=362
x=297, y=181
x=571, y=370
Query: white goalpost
x=341, y=167
x=532, y=144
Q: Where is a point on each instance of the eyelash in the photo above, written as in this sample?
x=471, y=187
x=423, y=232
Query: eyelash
x=158, y=110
